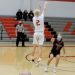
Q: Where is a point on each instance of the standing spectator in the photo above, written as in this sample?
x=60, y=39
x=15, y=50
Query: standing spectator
x=1, y=30
x=31, y=15
x=25, y=15
x=19, y=15
x=20, y=33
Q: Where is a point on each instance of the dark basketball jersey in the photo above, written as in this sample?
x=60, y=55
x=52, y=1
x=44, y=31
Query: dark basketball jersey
x=56, y=48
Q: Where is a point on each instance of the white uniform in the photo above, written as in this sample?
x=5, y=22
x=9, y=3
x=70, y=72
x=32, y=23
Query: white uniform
x=38, y=22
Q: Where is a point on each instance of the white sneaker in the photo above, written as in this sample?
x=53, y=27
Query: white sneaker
x=37, y=64
x=54, y=70
x=46, y=69
x=39, y=60
x=32, y=59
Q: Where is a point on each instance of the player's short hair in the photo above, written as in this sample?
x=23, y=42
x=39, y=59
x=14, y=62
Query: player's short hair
x=37, y=12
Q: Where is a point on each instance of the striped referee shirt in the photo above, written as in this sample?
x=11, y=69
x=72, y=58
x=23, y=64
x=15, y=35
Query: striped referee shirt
x=20, y=28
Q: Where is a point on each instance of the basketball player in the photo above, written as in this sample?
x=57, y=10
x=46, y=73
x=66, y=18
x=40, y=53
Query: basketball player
x=58, y=44
x=38, y=37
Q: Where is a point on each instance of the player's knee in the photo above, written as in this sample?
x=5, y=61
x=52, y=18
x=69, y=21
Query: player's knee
x=41, y=43
x=58, y=56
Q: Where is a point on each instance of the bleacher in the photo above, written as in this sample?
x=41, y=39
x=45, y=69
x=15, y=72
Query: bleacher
x=64, y=25
x=9, y=34
x=52, y=25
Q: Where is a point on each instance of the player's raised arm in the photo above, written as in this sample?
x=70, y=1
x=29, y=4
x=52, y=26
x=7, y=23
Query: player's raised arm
x=44, y=7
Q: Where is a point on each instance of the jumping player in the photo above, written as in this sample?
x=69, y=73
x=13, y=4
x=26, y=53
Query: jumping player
x=38, y=37
x=58, y=44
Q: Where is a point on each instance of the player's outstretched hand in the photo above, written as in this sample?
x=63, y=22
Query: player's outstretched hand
x=46, y=2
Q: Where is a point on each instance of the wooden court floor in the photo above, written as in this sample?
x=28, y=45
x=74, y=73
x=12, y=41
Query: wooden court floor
x=13, y=61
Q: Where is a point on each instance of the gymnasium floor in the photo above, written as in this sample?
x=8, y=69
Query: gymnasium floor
x=13, y=61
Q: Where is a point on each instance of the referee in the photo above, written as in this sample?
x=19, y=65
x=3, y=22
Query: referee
x=20, y=34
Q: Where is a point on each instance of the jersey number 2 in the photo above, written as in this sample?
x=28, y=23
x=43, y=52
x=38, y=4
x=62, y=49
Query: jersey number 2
x=37, y=22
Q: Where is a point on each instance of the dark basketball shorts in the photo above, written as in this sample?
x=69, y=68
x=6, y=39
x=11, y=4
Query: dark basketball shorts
x=55, y=53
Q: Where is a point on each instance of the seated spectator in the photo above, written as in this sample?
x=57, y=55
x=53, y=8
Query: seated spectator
x=31, y=15
x=25, y=15
x=19, y=15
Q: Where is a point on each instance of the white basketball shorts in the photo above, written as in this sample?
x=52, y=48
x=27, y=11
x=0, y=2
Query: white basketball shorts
x=38, y=38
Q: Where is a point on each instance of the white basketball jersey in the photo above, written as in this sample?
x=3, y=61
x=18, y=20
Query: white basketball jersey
x=39, y=23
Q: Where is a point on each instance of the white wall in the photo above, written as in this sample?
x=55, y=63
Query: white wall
x=25, y=4
x=57, y=8
x=10, y=7
x=54, y=8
